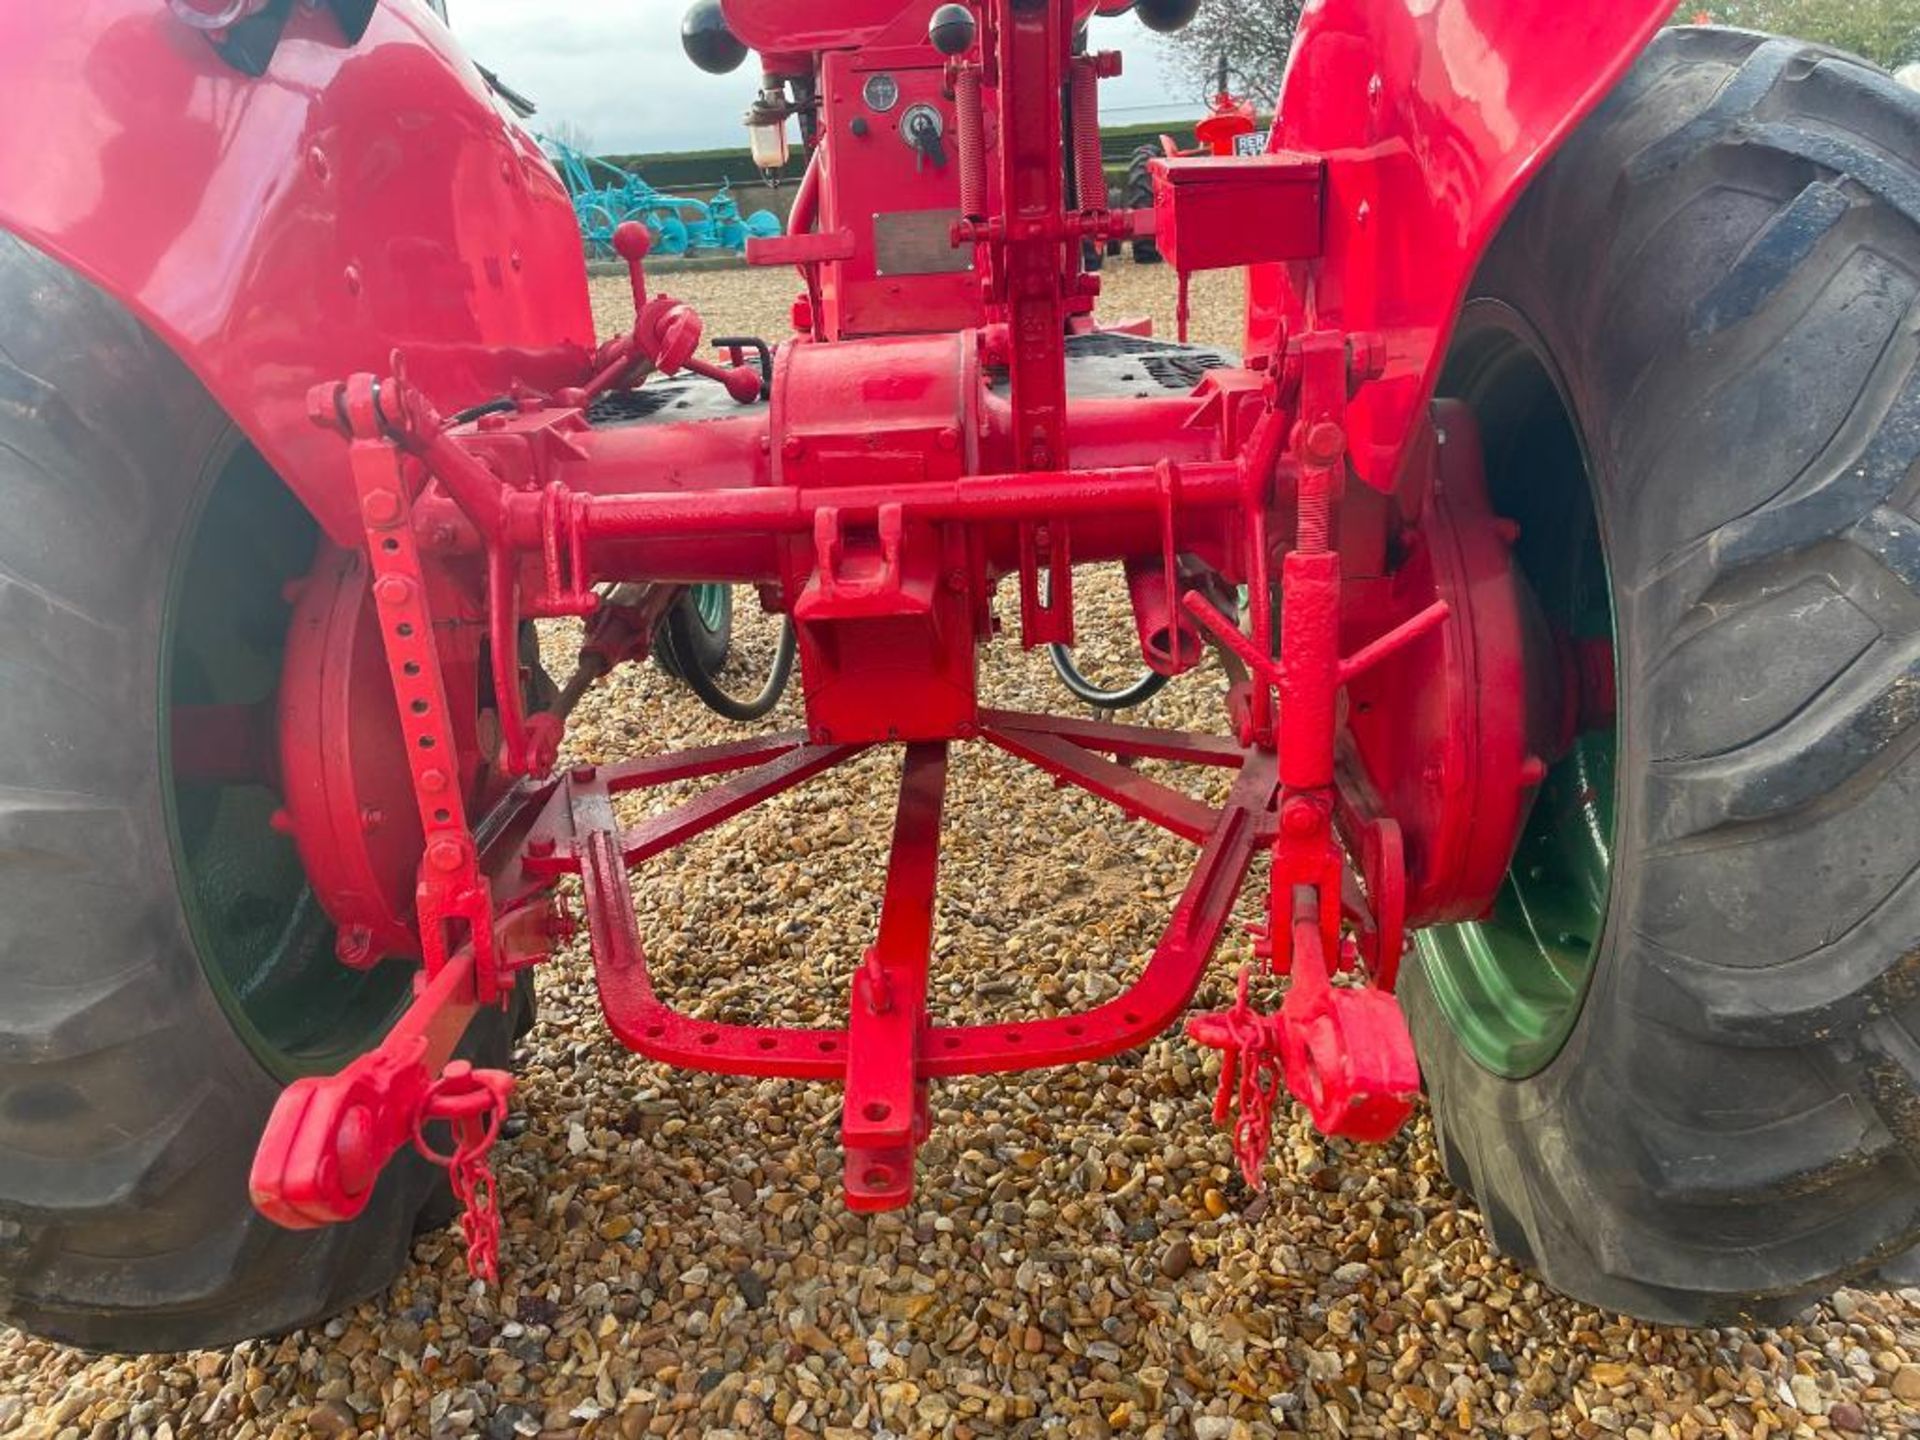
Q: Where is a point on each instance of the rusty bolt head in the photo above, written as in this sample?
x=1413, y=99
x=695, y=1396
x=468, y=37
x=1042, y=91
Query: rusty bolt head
x=445, y=854
x=582, y=774
x=353, y=946
x=393, y=590
x=353, y=1151
x=1325, y=442
x=1366, y=360
x=381, y=507
x=1300, y=818
x=324, y=408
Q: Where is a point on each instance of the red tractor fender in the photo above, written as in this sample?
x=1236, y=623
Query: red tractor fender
x=281, y=231
x=1432, y=115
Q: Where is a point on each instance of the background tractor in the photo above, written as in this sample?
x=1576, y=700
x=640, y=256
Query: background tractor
x=1231, y=127
x=1553, y=531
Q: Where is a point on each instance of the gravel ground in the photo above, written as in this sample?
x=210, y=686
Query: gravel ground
x=1082, y=1260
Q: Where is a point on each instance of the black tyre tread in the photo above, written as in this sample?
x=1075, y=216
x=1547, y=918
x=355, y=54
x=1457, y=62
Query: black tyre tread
x=681, y=627
x=1140, y=197
x=1735, y=1124
x=129, y=1110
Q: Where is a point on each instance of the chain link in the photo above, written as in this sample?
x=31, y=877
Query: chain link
x=1251, y=1077
x=473, y=1103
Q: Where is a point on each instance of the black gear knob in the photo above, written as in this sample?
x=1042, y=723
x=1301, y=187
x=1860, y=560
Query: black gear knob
x=952, y=30
x=707, y=40
x=1166, y=16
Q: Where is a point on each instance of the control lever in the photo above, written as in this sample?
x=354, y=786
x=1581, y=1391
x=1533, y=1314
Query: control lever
x=923, y=134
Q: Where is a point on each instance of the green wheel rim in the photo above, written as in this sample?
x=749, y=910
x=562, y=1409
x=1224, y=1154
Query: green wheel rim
x=1512, y=984
x=713, y=604
x=266, y=946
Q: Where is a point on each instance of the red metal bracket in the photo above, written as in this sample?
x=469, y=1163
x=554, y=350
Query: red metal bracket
x=329, y=1136
x=890, y=1048
x=884, y=1113
x=814, y=249
x=1344, y=1053
x=452, y=901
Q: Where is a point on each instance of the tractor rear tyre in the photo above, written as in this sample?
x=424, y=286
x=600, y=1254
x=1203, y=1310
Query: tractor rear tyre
x=1140, y=197
x=164, y=969
x=1678, y=1064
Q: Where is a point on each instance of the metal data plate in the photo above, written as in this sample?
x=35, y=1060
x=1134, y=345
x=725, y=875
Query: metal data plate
x=918, y=242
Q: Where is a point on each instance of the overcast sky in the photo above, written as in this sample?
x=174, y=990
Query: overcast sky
x=614, y=67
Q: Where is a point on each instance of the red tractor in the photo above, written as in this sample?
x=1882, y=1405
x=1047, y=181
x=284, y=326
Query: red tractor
x=1231, y=126
x=1557, y=529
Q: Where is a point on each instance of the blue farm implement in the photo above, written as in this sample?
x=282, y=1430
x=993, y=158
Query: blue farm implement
x=605, y=197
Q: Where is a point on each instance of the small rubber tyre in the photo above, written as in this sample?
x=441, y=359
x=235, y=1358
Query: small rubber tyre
x=703, y=627
x=164, y=968
x=696, y=631
x=1694, y=354
x=1140, y=197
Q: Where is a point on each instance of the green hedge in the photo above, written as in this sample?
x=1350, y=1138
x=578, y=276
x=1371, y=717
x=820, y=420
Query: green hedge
x=704, y=169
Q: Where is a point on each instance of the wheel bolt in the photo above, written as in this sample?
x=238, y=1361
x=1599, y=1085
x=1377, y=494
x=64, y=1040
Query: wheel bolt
x=353, y=946
x=1300, y=817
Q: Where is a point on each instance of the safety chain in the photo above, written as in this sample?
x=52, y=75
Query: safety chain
x=1251, y=1073
x=473, y=1103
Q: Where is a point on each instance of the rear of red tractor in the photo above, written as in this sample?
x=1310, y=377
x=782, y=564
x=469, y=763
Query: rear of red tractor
x=1593, y=671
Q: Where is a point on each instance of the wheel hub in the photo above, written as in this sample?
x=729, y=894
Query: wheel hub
x=1457, y=732
x=348, y=792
